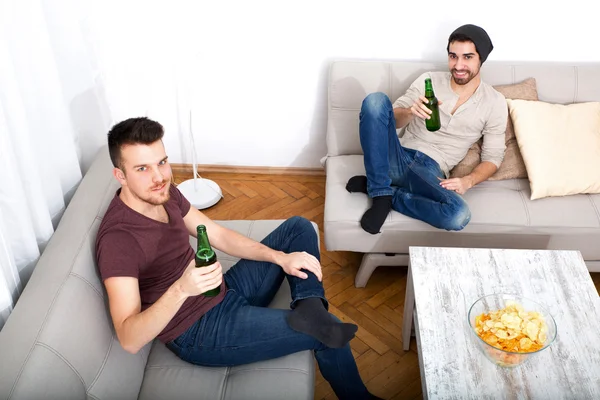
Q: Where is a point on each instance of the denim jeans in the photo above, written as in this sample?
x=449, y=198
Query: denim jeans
x=411, y=177
x=241, y=329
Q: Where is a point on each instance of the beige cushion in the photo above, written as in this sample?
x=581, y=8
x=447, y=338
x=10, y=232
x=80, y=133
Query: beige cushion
x=560, y=145
x=512, y=166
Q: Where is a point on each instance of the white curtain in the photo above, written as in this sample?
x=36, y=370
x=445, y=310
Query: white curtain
x=70, y=69
x=40, y=157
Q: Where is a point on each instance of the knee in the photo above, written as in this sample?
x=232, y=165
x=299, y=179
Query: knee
x=375, y=103
x=458, y=218
x=301, y=224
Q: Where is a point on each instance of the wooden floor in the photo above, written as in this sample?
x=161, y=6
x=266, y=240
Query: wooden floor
x=387, y=370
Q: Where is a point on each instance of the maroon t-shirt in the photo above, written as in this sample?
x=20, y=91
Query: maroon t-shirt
x=156, y=253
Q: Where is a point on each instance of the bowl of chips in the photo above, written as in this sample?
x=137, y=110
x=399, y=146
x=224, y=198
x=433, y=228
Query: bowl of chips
x=509, y=329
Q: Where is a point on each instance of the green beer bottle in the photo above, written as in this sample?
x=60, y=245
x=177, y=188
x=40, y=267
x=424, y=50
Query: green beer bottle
x=205, y=256
x=433, y=123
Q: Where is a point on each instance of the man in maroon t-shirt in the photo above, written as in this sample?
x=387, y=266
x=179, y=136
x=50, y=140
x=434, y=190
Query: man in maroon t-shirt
x=147, y=265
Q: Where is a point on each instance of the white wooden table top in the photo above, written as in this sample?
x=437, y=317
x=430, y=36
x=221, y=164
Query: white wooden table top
x=452, y=365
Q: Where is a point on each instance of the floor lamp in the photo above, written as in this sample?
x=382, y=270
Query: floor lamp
x=200, y=192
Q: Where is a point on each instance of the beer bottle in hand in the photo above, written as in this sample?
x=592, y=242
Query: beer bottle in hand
x=433, y=123
x=205, y=256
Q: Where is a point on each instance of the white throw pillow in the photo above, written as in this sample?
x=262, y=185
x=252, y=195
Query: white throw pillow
x=560, y=145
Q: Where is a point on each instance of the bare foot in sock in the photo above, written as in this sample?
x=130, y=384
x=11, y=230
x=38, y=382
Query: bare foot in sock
x=311, y=317
x=374, y=217
x=357, y=183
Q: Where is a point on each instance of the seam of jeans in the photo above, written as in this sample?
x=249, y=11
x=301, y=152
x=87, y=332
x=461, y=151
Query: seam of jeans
x=380, y=193
x=289, y=239
x=253, y=299
x=445, y=195
x=229, y=348
x=340, y=368
x=287, y=369
x=327, y=304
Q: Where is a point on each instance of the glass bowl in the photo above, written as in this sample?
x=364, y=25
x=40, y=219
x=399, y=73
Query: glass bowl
x=495, y=302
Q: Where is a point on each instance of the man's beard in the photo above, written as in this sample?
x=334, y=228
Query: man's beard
x=157, y=199
x=466, y=79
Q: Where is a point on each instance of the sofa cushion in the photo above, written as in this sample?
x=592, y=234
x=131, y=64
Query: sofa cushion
x=169, y=377
x=502, y=216
x=560, y=145
x=512, y=166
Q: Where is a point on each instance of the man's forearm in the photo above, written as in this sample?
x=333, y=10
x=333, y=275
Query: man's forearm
x=481, y=172
x=140, y=329
x=403, y=117
x=231, y=242
x=241, y=246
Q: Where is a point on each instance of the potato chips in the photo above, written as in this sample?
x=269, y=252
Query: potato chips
x=512, y=329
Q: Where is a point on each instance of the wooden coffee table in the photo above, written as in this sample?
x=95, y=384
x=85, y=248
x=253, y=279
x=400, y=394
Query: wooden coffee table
x=444, y=282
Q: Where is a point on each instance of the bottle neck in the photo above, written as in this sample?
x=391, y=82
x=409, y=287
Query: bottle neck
x=428, y=89
x=203, y=242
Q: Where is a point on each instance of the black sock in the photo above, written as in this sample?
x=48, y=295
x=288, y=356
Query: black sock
x=374, y=217
x=311, y=317
x=357, y=183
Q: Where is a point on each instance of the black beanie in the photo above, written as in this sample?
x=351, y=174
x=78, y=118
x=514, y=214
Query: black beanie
x=483, y=43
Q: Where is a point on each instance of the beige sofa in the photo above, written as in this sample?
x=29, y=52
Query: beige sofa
x=503, y=216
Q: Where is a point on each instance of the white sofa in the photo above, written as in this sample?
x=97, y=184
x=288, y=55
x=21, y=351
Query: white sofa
x=503, y=216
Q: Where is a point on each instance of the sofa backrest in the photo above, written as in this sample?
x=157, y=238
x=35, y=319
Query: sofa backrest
x=351, y=81
x=59, y=341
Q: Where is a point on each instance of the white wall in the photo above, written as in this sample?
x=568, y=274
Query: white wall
x=254, y=72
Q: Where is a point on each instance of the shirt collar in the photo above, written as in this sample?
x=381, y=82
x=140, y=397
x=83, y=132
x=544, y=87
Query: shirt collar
x=475, y=97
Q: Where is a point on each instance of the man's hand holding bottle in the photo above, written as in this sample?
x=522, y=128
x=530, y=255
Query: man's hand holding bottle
x=195, y=281
x=420, y=109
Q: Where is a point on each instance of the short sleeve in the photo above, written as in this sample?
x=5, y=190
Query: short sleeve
x=416, y=89
x=118, y=254
x=182, y=203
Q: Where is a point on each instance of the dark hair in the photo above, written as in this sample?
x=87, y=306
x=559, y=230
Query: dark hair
x=132, y=131
x=458, y=37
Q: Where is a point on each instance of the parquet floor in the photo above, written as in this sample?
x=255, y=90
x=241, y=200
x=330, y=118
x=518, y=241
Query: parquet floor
x=388, y=371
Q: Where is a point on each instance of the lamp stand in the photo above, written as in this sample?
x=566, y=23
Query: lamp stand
x=200, y=192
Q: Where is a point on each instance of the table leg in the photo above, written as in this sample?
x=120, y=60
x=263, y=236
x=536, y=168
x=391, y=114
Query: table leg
x=409, y=306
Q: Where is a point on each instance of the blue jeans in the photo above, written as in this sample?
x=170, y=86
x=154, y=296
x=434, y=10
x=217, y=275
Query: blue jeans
x=241, y=329
x=409, y=176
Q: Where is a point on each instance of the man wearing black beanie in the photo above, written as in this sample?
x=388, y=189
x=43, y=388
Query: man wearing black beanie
x=479, y=37
x=411, y=174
